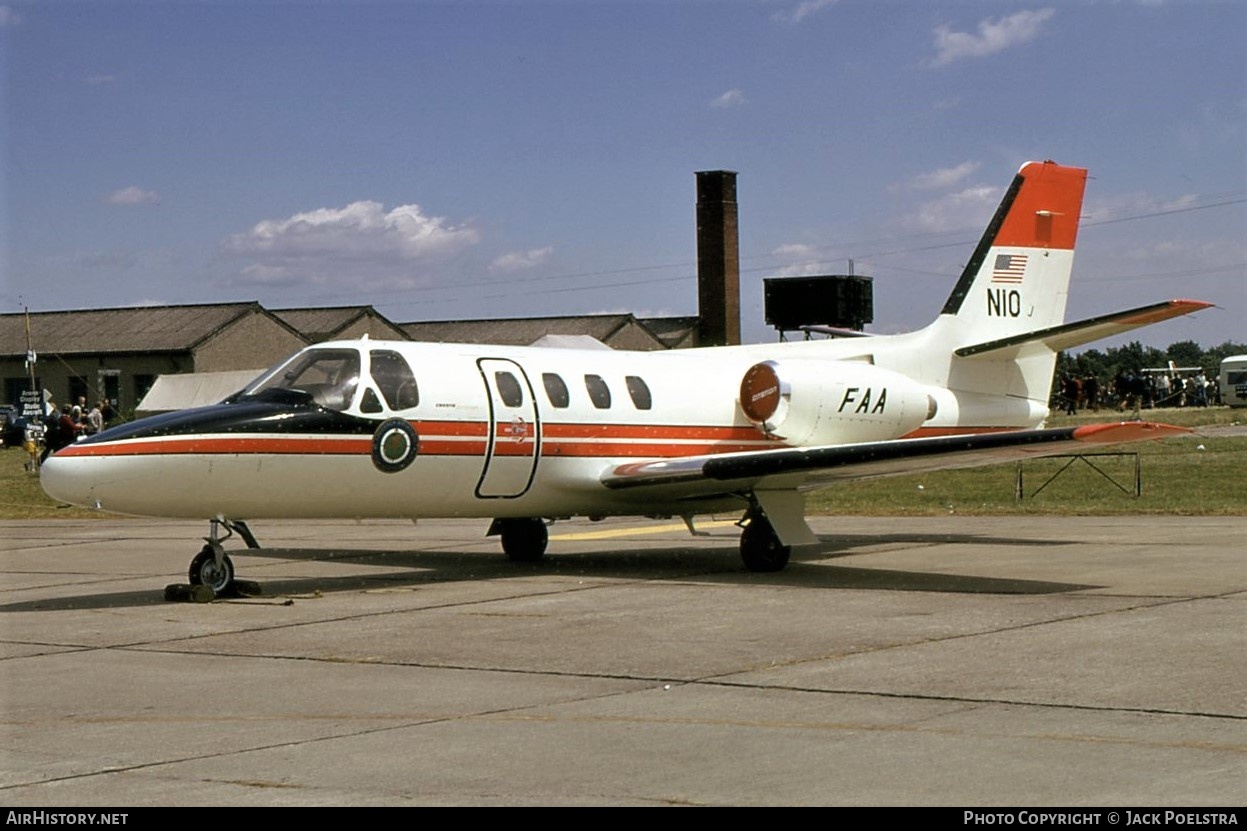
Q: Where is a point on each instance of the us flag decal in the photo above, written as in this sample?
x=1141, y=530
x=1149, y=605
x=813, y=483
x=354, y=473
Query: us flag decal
x=1009, y=268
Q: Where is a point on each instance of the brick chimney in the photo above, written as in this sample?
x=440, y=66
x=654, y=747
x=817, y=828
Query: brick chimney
x=718, y=259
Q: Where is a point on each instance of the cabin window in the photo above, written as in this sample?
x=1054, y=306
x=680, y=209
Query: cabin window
x=395, y=379
x=556, y=390
x=599, y=393
x=509, y=389
x=639, y=390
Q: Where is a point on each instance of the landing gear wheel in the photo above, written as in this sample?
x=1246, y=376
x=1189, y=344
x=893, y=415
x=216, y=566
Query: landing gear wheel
x=205, y=571
x=523, y=540
x=760, y=548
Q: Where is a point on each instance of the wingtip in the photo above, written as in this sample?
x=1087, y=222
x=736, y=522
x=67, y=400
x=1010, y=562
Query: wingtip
x=1125, y=431
x=1191, y=305
x=1164, y=311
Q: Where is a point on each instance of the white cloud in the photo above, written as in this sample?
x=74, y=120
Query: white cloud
x=812, y=269
x=801, y=11
x=360, y=230
x=362, y=239
x=804, y=260
x=731, y=98
x=945, y=177
x=520, y=260
x=133, y=195
x=795, y=251
x=8, y=17
x=965, y=209
x=993, y=36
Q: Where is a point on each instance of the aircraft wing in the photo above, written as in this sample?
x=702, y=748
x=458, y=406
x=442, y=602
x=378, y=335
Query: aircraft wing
x=1070, y=335
x=811, y=466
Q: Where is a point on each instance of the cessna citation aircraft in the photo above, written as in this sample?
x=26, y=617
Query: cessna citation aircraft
x=525, y=436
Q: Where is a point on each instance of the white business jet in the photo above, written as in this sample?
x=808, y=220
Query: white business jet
x=527, y=436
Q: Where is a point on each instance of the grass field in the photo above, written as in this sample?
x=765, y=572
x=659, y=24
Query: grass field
x=1187, y=476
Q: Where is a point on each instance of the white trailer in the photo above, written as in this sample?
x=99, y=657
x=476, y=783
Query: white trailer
x=1233, y=378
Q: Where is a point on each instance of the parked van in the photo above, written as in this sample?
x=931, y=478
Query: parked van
x=1233, y=378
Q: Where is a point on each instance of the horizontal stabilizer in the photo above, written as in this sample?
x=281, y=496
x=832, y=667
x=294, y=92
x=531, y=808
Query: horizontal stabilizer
x=824, y=465
x=1070, y=335
x=837, y=332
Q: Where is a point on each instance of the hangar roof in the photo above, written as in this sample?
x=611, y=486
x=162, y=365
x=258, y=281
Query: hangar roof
x=675, y=332
x=184, y=328
x=110, y=331
x=321, y=324
x=620, y=331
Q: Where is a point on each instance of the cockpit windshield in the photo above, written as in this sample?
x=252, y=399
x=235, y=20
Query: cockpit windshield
x=325, y=377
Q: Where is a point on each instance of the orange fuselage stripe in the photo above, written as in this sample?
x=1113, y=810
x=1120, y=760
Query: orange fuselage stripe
x=460, y=439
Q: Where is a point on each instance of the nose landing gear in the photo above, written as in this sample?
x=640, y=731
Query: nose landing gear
x=213, y=568
x=211, y=571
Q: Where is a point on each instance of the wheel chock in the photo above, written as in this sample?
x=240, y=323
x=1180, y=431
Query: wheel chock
x=186, y=593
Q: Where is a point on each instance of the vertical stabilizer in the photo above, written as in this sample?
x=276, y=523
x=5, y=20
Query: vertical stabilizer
x=1018, y=279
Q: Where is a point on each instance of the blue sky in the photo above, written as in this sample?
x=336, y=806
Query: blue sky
x=463, y=160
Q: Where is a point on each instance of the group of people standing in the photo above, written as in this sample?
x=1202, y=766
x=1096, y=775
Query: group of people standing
x=1179, y=391
x=1133, y=391
x=1080, y=392
x=63, y=429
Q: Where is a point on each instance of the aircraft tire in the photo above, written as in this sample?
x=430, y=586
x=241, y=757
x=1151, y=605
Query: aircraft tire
x=524, y=540
x=760, y=548
x=205, y=572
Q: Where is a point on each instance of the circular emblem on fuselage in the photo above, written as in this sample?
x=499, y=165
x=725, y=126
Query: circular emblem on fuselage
x=760, y=392
x=394, y=445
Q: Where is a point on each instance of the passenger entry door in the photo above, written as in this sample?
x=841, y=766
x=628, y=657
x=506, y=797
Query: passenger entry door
x=514, y=444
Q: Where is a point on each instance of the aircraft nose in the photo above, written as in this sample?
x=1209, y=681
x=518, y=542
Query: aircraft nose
x=62, y=479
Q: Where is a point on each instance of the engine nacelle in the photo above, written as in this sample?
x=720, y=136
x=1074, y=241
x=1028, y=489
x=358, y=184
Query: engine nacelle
x=808, y=402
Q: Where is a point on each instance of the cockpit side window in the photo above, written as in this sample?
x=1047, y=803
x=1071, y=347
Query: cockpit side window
x=370, y=403
x=394, y=378
x=328, y=376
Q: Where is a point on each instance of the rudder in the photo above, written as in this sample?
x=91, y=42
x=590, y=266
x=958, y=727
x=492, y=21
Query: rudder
x=1018, y=278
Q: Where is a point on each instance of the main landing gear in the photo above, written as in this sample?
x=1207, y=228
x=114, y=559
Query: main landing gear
x=523, y=539
x=760, y=547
